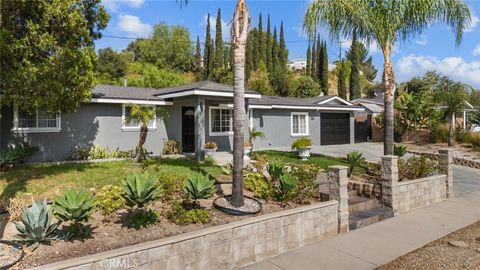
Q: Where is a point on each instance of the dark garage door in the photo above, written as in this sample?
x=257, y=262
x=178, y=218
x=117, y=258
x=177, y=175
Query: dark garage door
x=335, y=128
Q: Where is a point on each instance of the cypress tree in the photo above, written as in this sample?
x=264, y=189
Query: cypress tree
x=226, y=56
x=342, y=88
x=307, y=71
x=283, y=47
x=313, y=67
x=319, y=59
x=355, y=87
x=261, y=41
x=207, y=51
x=211, y=58
x=324, y=80
x=268, y=46
x=218, y=42
x=197, y=58
x=255, y=49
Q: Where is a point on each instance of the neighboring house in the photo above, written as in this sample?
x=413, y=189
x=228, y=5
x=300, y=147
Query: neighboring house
x=198, y=112
x=298, y=64
x=373, y=108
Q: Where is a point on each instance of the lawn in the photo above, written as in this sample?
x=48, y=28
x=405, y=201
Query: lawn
x=46, y=180
x=292, y=157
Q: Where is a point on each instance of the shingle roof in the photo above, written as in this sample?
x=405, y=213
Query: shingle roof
x=203, y=85
x=293, y=101
x=122, y=92
x=378, y=101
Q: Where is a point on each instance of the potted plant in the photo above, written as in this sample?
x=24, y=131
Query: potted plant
x=247, y=149
x=252, y=135
x=303, y=146
x=209, y=148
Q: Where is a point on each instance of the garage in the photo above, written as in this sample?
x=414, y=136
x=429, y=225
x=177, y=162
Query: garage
x=334, y=128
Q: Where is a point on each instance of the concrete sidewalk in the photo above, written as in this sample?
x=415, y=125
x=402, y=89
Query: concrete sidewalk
x=377, y=244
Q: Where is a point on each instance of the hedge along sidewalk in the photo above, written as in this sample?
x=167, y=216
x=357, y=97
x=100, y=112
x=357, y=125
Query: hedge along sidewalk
x=221, y=247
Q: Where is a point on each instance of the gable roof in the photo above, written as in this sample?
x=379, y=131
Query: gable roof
x=203, y=88
x=311, y=103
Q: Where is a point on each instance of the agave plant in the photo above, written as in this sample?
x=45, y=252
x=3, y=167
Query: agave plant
x=36, y=226
x=74, y=205
x=228, y=169
x=287, y=187
x=141, y=189
x=354, y=159
x=399, y=150
x=199, y=186
x=275, y=169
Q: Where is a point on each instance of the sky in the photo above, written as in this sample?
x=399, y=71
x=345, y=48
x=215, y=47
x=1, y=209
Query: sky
x=434, y=49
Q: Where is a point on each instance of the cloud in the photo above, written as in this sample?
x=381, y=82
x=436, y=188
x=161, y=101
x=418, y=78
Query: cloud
x=114, y=5
x=422, y=40
x=300, y=31
x=476, y=51
x=455, y=67
x=133, y=26
x=213, y=22
x=473, y=24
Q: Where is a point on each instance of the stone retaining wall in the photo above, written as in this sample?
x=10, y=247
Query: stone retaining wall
x=226, y=246
x=421, y=192
x=462, y=161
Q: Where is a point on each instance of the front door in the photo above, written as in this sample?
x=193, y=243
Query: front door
x=188, y=129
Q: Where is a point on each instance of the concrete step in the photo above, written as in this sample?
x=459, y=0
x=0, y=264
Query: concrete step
x=357, y=204
x=368, y=217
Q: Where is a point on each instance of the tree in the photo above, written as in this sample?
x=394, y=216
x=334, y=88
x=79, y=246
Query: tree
x=197, y=58
x=324, y=73
x=414, y=111
x=239, y=37
x=148, y=75
x=260, y=81
x=261, y=41
x=305, y=86
x=47, y=54
x=384, y=22
x=365, y=63
x=342, y=87
x=143, y=114
x=268, y=46
x=355, y=87
x=319, y=64
x=451, y=97
x=208, y=52
x=313, y=66
x=309, y=60
x=112, y=65
x=218, y=42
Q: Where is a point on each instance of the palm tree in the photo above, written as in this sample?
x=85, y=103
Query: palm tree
x=240, y=25
x=143, y=114
x=253, y=134
x=384, y=22
x=451, y=97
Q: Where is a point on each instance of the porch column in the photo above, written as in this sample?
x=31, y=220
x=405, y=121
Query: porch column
x=199, y=127
x=352, y=128
x=464, y=120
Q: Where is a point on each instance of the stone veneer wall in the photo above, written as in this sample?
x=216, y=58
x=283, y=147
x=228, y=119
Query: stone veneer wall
x=421, y=192
x=221, y=247
x=462, y=161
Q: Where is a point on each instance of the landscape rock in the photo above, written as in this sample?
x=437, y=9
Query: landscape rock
x=458, y=243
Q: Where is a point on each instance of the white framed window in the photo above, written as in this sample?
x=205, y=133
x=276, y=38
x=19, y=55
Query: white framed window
x=135, y=125
x=37, y=122
x=299, y=124
x=221, y=121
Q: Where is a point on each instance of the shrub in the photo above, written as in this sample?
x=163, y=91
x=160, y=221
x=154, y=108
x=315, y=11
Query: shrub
x=210, y=145
x=36, y=226
x=15, y=207
x=260, y=186
x=302, y=143
x=275, y=169
x=110, y=199
x=74, y=205
x=354, y=159
x=181, y=216
x=140, y=189
x=399, y=150
x=307, y=184
x=416, y=167
x=15, y=154
x=209, y=161
x=440, y=133
x=199, y=186
x=287, y=188
x=97, y=152
x=142, y=219
x=260, y=161
x=228, y=169
x=474, y=139
x=171, y=147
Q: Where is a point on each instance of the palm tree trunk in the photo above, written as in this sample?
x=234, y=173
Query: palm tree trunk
x=139, y=152
x=239, y=38
x=452, y=131
x=389, y=88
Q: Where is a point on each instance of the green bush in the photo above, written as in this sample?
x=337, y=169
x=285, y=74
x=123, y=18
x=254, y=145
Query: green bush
x=354, y=159
x=209, y=161
x=15, y=154
x=228, y=169
x=181, y=216
x=275, y=169
x=399, y=150
x=142, y=219
x=260, y=186
x=287, y=188
x=440, y=133
x=97, y=152
x=140, y=189
x=36, y=226
x=416, y=167
x=199, y=186
x=474, y=139
x=307, y=185
x=171, y=147
x=302, y=143
x=110, y=199
x=74, y=205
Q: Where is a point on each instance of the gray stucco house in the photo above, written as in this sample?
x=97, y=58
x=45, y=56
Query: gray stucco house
x=198, y=112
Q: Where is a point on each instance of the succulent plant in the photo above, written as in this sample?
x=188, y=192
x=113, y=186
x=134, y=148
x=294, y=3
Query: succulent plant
x=354, y=159
x=399, y=150
x=141, y=189
x=199, y=186
x=36, y=226
x=275, y=169
x=74, y=205
x=287, y=187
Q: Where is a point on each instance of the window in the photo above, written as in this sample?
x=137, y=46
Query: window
x=220, y=121
x=134, y=124
x=38, y=121
x=299, y=124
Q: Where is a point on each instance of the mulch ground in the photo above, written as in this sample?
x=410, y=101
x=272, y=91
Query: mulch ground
x=440, y=254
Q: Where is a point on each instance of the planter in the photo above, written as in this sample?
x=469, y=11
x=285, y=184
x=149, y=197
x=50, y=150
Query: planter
x=238, y=212
x=209, y=152
x=246, y=152
x=304, y=153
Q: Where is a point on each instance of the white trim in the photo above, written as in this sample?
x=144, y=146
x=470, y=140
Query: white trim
x=335, y=98
x=127, y=128
x=131, y=101
x=214, y=134
x=17, y=129
x=307, y=129
x=316, y=108
x=206, y=93
x=250, y=114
